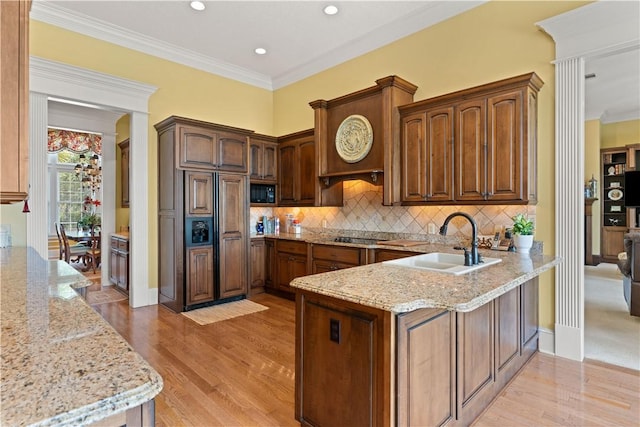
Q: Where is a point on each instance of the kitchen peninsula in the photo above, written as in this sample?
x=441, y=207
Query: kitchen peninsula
x=405, y=346
x=62, y=364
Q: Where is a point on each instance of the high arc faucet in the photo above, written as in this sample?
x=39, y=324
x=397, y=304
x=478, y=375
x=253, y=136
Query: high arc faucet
x=475, y=256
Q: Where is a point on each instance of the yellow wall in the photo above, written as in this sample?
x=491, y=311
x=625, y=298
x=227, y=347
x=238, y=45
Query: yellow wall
x=494, y=41
x=592, y=168
x=620, y=134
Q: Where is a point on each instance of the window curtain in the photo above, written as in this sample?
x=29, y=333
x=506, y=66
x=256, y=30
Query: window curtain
x=77, y=142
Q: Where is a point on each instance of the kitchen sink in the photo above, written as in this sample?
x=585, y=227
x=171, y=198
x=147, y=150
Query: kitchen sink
x=442, y=263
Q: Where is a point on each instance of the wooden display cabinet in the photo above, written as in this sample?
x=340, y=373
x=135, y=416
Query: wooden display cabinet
x=124, y=172
x=614, y=214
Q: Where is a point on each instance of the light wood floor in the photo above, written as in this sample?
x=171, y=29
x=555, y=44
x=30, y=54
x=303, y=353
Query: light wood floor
x=240, y=372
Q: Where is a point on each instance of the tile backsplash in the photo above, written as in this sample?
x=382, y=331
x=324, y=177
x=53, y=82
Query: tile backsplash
x=363, y=211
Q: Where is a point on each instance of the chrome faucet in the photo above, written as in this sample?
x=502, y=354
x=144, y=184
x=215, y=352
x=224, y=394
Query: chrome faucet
x=475, y=256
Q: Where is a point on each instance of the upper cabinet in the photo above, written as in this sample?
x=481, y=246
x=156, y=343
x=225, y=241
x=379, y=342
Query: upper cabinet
x=14, y=98
x=263, y=159
x=209, y=146
x=298, y=184
x=474, y=146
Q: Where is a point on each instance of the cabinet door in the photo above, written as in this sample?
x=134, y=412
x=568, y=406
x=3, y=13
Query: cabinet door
x=270, y=264
x=289, y=266
x=113, y=264
x=414, y=158
x=307, y=173
x=14, y=100
x=287, y=173
x=389, y=254
x=199, y=193
x=270, y=162
x=507, y=315
x=505, y=147
x=232, y=153
x=255, y=160
x=471, y=151
x=439, y=154
x=529, y=314
x=197, y=148
x=123, y=271
x=199, y=275
x=258, y=265
x=475, y=360
x=124, y=172
x=232, y=235
x=426, y=368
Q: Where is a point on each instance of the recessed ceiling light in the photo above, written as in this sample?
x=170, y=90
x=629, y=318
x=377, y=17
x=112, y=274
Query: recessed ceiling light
x=197, y=5
x=330, y=10
x=260, y=50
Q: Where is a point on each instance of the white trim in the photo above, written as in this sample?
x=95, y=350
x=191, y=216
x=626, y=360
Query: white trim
x=546, y=341
x=37, y=234
x=597, y=29
x=66, y=82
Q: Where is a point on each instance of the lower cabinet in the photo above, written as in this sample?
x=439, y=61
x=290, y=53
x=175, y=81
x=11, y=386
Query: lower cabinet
x=258, y=266
x=270, y=263
x=200, y=284
x=330, y=257
x=448, y=366
x=119, y=263
x=390, y=254
x=291, y=262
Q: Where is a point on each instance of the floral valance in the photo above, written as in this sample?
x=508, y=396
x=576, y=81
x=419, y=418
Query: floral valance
x=78, y=142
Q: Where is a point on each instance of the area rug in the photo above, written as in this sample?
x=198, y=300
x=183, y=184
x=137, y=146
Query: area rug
x=229, y=310
x=103, y=296
x=611, y=334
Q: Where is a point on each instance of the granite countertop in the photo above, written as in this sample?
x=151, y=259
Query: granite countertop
x=401, y=289
x=62, y=364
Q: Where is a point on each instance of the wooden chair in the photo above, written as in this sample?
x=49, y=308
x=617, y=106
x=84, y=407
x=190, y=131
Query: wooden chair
x=60, y=244
x=93, y=256
x=78, y=251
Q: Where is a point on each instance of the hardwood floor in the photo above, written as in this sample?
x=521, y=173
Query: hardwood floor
x=240, y=372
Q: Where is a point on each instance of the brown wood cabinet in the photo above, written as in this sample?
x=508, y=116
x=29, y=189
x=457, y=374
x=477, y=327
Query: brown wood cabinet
x=448, y=366
x=298, y=183
x=427, y=152
x=270, y=264
x=340, y=354
x=208, y=146
x=124, y=173
x=14, y=100
x=233, y=239
x=614, y=222
x=200, y=193
x=184, y=193
x=200, y=278
x=119, y=262
x=473, y=146
x=258, y=251
x=332, y=257
x=389, y=254
x=263, y=159
x=291, y=262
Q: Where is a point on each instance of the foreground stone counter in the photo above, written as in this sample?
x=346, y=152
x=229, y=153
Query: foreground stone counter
x=400, y=289
x=62, y=364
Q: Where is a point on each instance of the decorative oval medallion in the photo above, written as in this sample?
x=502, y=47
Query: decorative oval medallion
x=354, y=138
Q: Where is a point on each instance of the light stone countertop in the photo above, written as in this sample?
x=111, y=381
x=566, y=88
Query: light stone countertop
x=401, y=289
x=62, y=364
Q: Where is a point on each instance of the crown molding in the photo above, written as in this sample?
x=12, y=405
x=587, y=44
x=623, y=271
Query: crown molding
x=417, y=20
x=615, y=116
x=101, y=30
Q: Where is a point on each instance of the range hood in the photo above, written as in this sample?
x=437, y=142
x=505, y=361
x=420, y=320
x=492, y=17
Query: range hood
x=357, y=135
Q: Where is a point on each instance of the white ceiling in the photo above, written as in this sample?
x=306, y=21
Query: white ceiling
x=300, y=39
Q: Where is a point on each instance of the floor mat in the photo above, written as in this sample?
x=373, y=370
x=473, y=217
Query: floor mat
x=105, y=295
x=229, y=310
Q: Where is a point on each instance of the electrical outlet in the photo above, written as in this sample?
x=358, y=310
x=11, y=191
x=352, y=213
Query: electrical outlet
x=334, y=330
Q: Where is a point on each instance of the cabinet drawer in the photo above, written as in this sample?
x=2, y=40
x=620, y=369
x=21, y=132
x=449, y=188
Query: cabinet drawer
x=292, y=247
x=337, y=253
x=114, y=242
x=123, y=245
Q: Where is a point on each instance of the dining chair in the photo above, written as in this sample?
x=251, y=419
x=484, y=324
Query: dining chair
x=93, y=256
x=78, y=251
x=60, y=243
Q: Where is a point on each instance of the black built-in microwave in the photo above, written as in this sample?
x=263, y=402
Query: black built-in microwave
x=263, y=193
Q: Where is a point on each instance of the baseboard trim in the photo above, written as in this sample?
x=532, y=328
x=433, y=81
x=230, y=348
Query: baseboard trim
x=569, y=342
x=546, y=341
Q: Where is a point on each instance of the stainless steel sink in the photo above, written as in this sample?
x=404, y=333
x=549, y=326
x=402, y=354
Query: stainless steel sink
x=442, y=263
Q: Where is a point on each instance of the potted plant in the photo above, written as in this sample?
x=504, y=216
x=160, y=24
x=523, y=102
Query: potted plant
x=89, y=221
x=523, y=233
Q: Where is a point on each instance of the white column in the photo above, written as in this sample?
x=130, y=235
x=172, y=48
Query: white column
x=37, y=231
x=108, y=224
x=139, y=292
x=570, y=93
